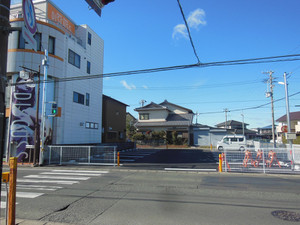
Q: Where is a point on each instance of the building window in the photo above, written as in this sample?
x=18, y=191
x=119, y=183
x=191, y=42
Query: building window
x=91, y=125
x=38, y=39
x=89, y=38
x=51, y=45
x=88, y=67
x=78, y=98
x=144, y=116
x=74, y=58
x=21, y=43
x=87, y=99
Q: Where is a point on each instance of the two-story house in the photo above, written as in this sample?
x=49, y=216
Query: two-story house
x=295, y=122
x=113, y=120
x=236, y=127
x=167, y=117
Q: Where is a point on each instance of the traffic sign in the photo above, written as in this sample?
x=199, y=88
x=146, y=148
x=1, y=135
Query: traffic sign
x=30, y=28
x=284, y=129
x=290, y=136
x=29, y=16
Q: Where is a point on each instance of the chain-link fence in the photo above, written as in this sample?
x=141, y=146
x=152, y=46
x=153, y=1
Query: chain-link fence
x=266, y=160
x=98, y=155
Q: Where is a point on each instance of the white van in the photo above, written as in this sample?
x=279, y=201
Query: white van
x=232, y=142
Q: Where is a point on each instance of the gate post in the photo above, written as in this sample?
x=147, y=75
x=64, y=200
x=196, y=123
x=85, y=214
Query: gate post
x=89, y=154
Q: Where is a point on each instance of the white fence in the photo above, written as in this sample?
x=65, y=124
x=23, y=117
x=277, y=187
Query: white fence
x=266, y=160
x=90, y=155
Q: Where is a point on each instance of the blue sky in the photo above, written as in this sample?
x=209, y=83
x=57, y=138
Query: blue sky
x=148, y=34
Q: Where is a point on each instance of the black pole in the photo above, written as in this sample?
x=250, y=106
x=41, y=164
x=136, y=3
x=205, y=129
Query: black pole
x=4, y=32
x=37, y=123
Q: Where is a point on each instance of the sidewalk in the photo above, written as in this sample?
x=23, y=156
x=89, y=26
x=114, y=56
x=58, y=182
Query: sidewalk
x=33, y=222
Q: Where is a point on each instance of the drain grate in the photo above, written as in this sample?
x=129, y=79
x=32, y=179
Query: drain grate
x=286, y=215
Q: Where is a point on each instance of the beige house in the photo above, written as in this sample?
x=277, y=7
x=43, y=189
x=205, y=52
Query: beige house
x=295, y=122
x=167, y=117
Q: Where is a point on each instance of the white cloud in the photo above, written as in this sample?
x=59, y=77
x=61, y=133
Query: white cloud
x=180, y=30
x=195, y=19
x=128, y=86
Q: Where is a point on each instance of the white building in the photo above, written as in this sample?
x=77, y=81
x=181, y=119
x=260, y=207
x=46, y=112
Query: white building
x=74, y=51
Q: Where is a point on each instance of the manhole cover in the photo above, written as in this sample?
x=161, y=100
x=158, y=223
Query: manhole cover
x=286, y=215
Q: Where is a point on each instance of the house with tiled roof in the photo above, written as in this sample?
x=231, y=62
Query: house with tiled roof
x=295, y=122
x=236, y=127
x=165, y=116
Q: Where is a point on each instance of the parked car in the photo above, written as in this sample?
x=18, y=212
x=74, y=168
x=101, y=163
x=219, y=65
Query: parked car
x=233, y=142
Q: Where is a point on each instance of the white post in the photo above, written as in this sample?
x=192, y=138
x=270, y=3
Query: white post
x=89, y=155
x=50, y=150
x=264, y=164
x=45, y=64
x=60, y=156
x=115, y=156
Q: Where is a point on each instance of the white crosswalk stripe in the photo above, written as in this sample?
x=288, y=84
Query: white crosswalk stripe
x=48, y=181
x=57, y=177
x=3, y=204
x=24, y=194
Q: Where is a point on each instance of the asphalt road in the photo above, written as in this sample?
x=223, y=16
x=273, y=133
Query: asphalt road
x=113, y=196
x=169, y=158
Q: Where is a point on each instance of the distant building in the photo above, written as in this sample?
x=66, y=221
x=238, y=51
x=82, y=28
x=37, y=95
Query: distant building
x=167, y=117
x=236, y=127
x=113, y=120
x=265, y=132
x=205, y=135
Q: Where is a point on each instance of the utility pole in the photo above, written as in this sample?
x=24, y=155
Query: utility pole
x=43, y=137
x=270, y=94
x=37, y=122
x=226, y=111
x=4, y=32
x=287, y=111
x=243, y=124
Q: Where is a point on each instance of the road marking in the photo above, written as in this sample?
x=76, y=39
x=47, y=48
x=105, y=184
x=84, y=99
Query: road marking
x=37, y=187
x=75, y=174
x=80, y=171
x=186, y=169
x=57, y=177
x=47, y=181
x=24, y=194
x=3, y=204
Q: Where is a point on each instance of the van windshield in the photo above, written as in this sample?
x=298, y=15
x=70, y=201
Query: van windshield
x=226, y=140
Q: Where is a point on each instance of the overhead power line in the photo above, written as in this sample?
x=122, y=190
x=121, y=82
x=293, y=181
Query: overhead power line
x=188, y=30
x=270, y=59
x=250, y=108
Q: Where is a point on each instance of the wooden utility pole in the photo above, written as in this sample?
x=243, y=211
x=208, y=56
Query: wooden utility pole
x=270, y=94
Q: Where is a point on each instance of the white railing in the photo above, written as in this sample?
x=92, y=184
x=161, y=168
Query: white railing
x=266, y=160
x=90, y=155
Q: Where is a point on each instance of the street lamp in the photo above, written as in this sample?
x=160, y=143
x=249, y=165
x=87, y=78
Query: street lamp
x=287, y=109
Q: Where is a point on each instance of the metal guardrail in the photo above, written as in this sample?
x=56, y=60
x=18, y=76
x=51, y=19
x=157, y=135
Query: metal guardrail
x=263, y=160
x=90, y=155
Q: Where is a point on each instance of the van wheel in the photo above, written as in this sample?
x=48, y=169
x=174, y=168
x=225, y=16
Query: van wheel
x=220, y=148
x=242, y=148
